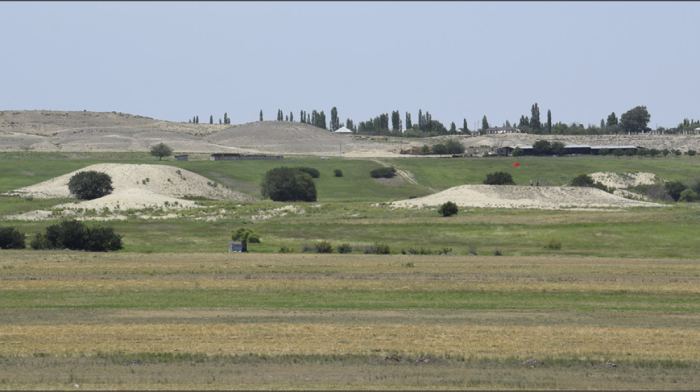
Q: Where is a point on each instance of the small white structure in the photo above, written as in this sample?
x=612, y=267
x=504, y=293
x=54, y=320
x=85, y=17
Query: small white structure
x=342, y=130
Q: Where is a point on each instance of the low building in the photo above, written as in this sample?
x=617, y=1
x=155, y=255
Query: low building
x=183, y=157
x=497, y=130
x=595, y=150
x=343, y=130
x=237, y=246
x=241, y=157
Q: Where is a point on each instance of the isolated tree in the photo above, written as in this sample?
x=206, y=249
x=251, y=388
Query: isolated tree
x=541, y=147
x=211, y=119
x=535, y=123
x=635, y=120
x=288, y=184
x=161, y=150
x=448, y=209
x=465, y=129
x=261, y=115
x=484, y=123
x=549, y=121
x=11, y=238
x=499, y=178
x=88, y=185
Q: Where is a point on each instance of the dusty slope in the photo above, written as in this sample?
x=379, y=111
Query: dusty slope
x=160, y=179
x=514, y=196
x=626, y=180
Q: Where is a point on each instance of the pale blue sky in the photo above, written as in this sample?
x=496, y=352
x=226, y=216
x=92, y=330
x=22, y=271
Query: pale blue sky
x=174, y=60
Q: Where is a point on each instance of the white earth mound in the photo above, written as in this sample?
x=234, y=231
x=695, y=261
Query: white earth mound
x=156, y=179
x=626, y=180
x=514, y=196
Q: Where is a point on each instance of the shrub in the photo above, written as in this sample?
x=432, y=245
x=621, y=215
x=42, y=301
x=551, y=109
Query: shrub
x=604, y=151
x=376, y=249
x=344, y=248
x=246, y=236
x=553, y=244
x=88, y=185
x=314, y=173
x=454, y=147
x=499, y=178
x=497, y=252
x=542, y=147
x=448, y=209
x=688, y=195
x=445, y=250
x=285, y=249
x=655, y=192
x=161, y=150
x=287, y=184
x=439, y=149
x=308, y=248
x=472, y=249
x=11, y=238
x=691, y=153
x=323, y=247
x=75, y=235
x=583, y=180
x=338, y=172
x=674, y=189
x=383, y=172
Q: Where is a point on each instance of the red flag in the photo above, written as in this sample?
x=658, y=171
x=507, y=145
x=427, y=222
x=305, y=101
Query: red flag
x=516, y=164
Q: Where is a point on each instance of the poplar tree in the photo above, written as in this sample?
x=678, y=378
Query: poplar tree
x=409, y=125
x=261, y=115
x=453, y=128
x=465, y=129
x=211, y=119
x=549, y=121
x=291, y=116
x=484, y=123
x=335, y=121
x=395, y=119
x=535, y=123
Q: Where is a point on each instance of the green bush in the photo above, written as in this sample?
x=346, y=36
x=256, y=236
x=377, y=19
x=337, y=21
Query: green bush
x=89, y=185
x=314, y=173
x=287, y=184
x=323, y=247
x=583, y=180
x=553, y=244
x=285, y=249
x=499, y=178
x=344, y=248
x=245, y=235
x=161, y=150
x=674, y=189
x=11, y=238
x=338, y=172
x=517, y=152
x=688, y=195
x=75, y=235
x=448, y=209
x=383, y=172
x=376, y=249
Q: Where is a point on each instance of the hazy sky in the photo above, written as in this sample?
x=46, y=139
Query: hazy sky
x=456, y=60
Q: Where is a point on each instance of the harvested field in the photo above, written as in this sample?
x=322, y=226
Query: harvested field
x=514, y=196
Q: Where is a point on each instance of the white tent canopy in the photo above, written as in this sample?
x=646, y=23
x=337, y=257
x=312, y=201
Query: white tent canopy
x=342, y=130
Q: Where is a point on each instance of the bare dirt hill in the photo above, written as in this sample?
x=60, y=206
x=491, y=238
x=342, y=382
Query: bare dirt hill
x=514, y=196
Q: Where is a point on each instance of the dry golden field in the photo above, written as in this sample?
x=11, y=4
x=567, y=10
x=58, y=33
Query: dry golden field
x=311, y=321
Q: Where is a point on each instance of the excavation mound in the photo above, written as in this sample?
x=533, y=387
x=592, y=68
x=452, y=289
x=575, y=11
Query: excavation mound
x=529, y=197
x=164, y=180
x=625, y=180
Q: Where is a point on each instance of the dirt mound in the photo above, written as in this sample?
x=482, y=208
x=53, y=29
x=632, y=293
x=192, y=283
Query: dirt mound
x=513, y=196
x=158, y=179
x=625, y=180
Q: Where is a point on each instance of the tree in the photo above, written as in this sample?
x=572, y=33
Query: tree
x=211, y=119
x=629, y=152
x=245, y=235
x=635, y=120
x=549, y=121
x=226, y=119
x=558, y=148
x=75, y=235
x=499, y=178
x=439, y=149
x=161, y=150
x=665, y=152
x=618, y=152
x=338, y=172
x=335, y=121
x=288, y=184
x=691, y=153
x=454, y=147
x=383, y=172
x=541, y=147
x=11, y=238
x=261, y=115
x=688, y=195
x=653, y=152
x=88, y=185
x=291, y=116
x=409, y=124
x=396, y=120
x=517, y=152
x=484, y=123
x=675, y=188
x=453, y=128
x=465, y=128
x=535, y=123
x=677, y=153
x=612, y=119
x=604, y=151
x=448, y=209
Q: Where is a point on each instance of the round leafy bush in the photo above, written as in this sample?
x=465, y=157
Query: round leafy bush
x=288, y=184
x=583, y=180
x=88, y=185
x=323, y=247
x=553, y=244
x=314, y=173
x=688, y=195
x=517, y=152
x=338, y=172
x=499, y=178
x=11, y=238
x=383, y=172
x=448, y=209
x=246, y=235
x=674, y=189
x=344, y=248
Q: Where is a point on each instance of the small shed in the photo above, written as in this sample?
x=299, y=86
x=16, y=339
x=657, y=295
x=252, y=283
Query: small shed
x=183, y=157
x=343, y=130
x=237, y=246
